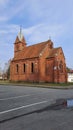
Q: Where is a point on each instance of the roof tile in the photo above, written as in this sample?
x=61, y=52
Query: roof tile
x=31, y=51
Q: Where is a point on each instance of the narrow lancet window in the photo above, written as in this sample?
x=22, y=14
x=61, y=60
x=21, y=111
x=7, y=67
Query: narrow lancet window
x=24, y=68
x=32, y=67
x=17, y=68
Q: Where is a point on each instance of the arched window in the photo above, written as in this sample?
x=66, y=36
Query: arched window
x=32, y=67
x=17, y=68
x=24, y=68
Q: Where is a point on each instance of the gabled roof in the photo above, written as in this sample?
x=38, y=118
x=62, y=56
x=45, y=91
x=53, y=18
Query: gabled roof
x=31, y=51
x=53, y=52
x=35, y=50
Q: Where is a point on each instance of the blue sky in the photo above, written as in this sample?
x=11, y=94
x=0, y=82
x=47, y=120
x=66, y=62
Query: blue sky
x=40, y=19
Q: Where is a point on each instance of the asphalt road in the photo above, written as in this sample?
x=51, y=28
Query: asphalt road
x=30, y=108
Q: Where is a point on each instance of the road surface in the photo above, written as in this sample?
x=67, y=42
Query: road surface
x=30, y=108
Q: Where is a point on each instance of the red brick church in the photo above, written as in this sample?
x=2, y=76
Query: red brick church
x=40, y=62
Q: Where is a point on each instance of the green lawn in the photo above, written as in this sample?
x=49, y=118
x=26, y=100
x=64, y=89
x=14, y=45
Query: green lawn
x=45, y=85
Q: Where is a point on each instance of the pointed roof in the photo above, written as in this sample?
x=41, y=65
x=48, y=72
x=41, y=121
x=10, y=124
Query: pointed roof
x=20, y=37
x=17, y=40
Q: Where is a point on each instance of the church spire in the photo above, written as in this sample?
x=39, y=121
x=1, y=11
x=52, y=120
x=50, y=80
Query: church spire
x=20, y=35
x=20, y=31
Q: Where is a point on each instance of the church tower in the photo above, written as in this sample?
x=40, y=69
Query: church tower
x=20, y=42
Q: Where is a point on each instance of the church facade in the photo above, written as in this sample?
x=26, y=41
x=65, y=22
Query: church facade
x=37, y=63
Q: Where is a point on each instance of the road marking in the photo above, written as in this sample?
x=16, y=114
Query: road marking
x=15, y=97
x=18, y=108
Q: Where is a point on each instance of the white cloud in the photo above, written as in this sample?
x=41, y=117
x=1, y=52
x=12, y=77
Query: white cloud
x=34, y=34
x=3, y=2
x=42, y=32
x=40, y=19
x=35, y=9
x=8, y=9
x=3, y=18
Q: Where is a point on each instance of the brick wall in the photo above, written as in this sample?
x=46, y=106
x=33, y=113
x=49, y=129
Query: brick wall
x=40, y=69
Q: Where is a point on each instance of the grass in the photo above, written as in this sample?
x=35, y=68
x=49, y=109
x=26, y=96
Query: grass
x=42, y=85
